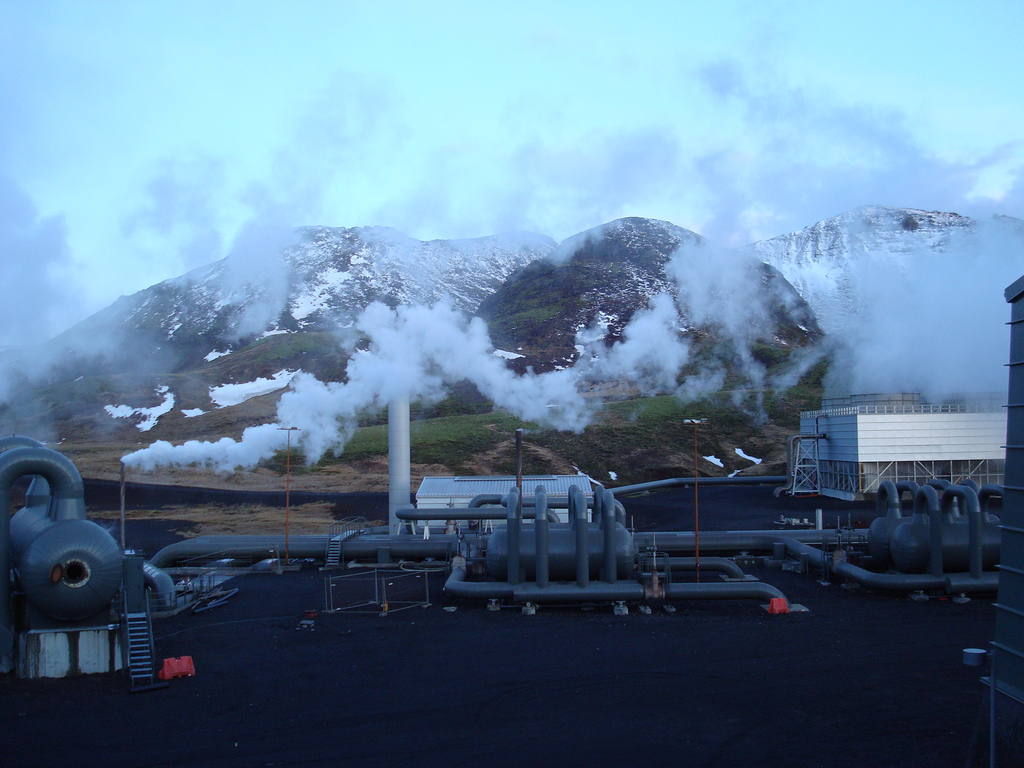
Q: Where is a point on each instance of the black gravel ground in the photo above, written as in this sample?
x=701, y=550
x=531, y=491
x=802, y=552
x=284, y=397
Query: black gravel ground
x=859, y=679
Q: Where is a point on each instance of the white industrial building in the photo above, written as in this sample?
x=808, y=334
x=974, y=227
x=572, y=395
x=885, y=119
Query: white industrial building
x=850, y=445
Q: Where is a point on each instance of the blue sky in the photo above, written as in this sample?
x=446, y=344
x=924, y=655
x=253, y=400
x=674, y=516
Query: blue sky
x=138, y=139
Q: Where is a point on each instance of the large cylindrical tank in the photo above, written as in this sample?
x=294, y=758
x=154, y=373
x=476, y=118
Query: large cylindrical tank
x=68, y=567
x=911, y=545
x=70, y=570
x=561, y=552
x=890, y=517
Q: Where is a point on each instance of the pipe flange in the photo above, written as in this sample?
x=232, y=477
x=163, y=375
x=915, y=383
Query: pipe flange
x=75, y=573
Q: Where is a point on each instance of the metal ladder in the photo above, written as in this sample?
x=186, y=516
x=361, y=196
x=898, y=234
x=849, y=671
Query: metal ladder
x=139, y=650
x=333, y=559
x=339, y=533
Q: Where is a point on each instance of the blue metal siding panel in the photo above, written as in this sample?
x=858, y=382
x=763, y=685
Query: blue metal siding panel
x=1009, y=622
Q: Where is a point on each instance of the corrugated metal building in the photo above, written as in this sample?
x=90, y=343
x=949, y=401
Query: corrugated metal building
x=449, y=492
x=849, y=446
x=1008, y=647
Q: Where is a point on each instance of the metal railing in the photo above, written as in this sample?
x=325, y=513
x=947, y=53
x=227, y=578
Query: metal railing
x=380, y=591
x=896, y=408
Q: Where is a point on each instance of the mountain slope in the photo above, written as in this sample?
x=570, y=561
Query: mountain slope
x=828, y=262
x=318, y=283
x=595, y=283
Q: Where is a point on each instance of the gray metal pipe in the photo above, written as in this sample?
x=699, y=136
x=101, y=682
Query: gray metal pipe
x=888, y=507
x=906, y=582
x=965, y=584
x=610, y=569
x=499, y=500
x=459, y=513
x=161, y=585
x=542, y=537
x=630, y=591
x=731, y=590
x=18, y=441
x=625, y=490
x=729, y=541
x=968, y=498
x=438, y=547
x=988, y=492
x=399, y=458
x=578, y=505
x=241, y=546
x=457, y=586
x=513, y=526
x=887, y=500
x=357, y=547
x=574, y=593
x=483, y=499
x=718, y=564
x=927, y=500
x=899, y=582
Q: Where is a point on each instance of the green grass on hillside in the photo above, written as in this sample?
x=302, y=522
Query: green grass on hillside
x=638, y=440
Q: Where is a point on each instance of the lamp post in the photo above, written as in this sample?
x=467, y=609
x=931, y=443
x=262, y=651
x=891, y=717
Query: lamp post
x=696, y=508
x=287, y=487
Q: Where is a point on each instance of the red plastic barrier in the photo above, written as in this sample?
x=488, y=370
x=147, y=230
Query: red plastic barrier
x=179, y=666
x=778, y=605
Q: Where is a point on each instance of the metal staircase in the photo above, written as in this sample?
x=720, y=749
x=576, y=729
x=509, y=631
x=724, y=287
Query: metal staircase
x=139, y=651
x=339, y=533
x=805, y=466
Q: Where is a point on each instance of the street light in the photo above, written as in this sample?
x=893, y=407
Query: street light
x=287, y=487
x=696, y=509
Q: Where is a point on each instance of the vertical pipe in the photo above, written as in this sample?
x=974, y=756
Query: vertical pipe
x=399, y=459
x=610, y=569
x=598, y=514
x=540, y=525
x=935, y=540
x=519, y=462
x=512, y=533
x=974, y=540
x=972, y=507
x=582, y=539
x=122, y=507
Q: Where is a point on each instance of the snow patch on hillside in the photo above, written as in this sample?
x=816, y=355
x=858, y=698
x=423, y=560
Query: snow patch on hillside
x=234, y=394
x=148, y=416
x=742, y=455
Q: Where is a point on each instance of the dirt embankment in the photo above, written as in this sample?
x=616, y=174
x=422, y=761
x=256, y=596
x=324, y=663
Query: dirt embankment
x=103, y=462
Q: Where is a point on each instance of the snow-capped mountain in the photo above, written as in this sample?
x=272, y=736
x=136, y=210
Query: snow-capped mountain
x=319, y=282
x=595, y=282
x=164, y=354
x=827, y=261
